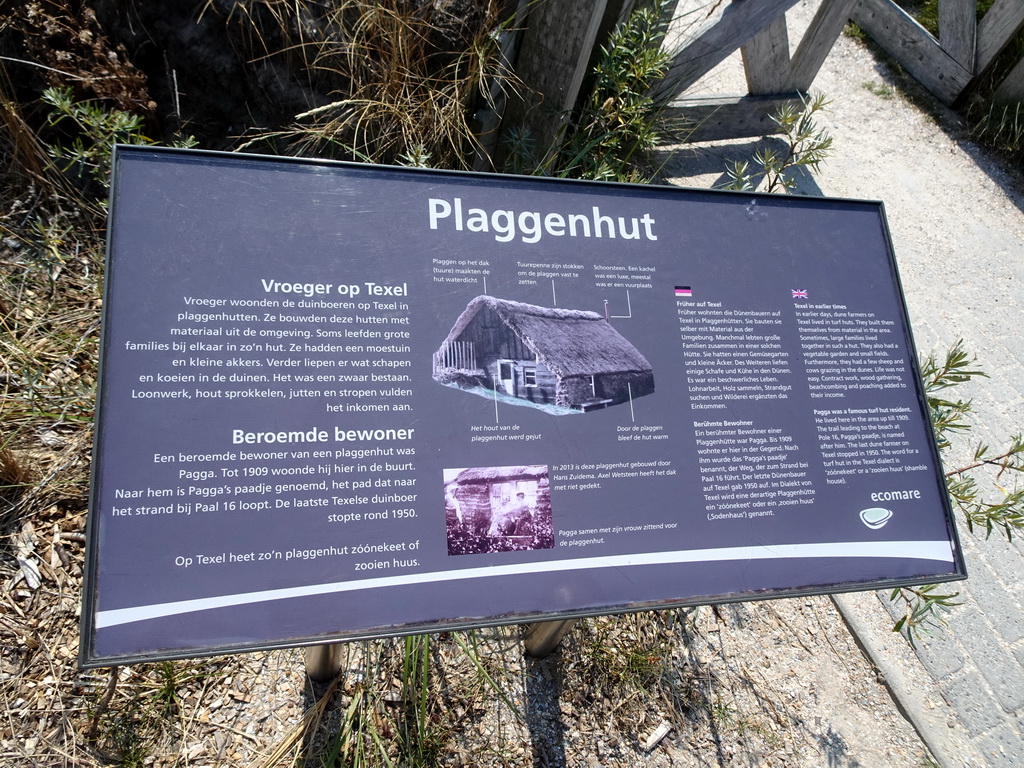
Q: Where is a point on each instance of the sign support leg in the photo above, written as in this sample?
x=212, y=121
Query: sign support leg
x=322, y=661
x=544, y=636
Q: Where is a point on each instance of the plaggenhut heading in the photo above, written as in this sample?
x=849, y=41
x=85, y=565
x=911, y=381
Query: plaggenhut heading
x=531, y=226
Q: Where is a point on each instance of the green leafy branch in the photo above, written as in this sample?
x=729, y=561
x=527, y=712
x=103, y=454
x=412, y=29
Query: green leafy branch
x=925, y=608
x=949, y=418
x=807, y=146
x=96, y=128
x=969, y=492
x=620, y=123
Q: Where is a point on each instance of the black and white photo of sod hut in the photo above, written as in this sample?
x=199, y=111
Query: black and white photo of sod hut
x=560, y=360
x=498, y=509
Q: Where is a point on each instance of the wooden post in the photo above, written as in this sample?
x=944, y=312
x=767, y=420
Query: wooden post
x=1011, y=90
x=544, y=636
x=957, y=28
x=322, y=661
x=766, y=58
x=554, y=57
x=489, y=113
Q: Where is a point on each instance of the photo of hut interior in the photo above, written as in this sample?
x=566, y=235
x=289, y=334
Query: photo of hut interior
x=571, y=359
x=498, y=509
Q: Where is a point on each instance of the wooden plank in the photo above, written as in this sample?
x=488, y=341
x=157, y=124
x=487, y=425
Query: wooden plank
x=716, y=118
x=913, y=47
x=739, y=22
x=1011, y=90
x=553, y=59
x=995, y=30
x=821, y=35
x=543, y=637
x=957, y=27
x=487, y=116
x=766, y=58
x=615, y=13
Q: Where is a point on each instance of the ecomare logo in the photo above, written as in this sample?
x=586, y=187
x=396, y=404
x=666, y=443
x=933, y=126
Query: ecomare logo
x=875, y=517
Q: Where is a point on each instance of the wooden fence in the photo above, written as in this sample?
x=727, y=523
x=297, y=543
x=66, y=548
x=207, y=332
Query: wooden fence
x=951, y=65
x=562, y=37
x=460, y=355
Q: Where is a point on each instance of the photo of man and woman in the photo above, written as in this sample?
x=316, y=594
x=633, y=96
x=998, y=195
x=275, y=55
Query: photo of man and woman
x=498, y=509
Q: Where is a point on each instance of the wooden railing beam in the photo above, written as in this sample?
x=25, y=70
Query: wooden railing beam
x=717, y=118
x=821, y=35
x=913, y=47
x=995, y=31
x=738, y=24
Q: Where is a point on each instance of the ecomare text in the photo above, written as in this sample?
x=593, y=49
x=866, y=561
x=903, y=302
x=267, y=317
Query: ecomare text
x=896, y=495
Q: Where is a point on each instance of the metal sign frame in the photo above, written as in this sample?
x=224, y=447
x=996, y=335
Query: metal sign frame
x=341, y=401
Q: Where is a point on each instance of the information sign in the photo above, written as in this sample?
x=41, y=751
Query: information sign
x=342, y=401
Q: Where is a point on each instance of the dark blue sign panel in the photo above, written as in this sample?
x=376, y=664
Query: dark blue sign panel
x=343, y=401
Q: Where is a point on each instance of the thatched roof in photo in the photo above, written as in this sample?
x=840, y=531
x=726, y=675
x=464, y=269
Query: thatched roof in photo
x=570, y=342
x=475, y=475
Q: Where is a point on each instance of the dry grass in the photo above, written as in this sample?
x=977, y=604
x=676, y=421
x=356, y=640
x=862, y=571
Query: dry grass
x=50, y=256
x=65, y=44
x=405, y=76
x=49, y=321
